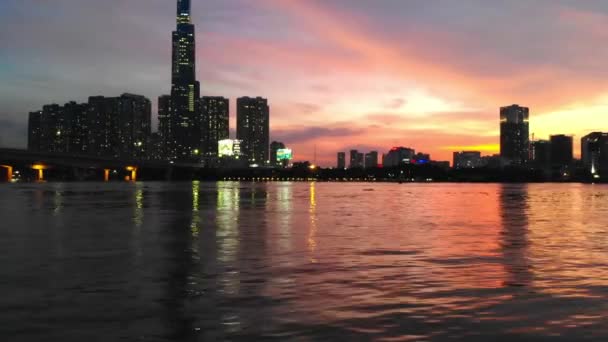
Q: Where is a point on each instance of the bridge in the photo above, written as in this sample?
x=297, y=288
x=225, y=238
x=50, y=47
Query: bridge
x=31, y=165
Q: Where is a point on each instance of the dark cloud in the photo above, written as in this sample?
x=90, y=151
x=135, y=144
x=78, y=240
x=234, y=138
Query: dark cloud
x=304, y=134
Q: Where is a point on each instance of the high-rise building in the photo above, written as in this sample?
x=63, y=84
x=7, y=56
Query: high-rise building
x=134, y=126
x=540, y=153
x=185, y=90
x=467, y=160
x=371, y=160
x=215, y=126
x=253, y=128
x=341, y=160
x=398, y=156
x=166, y=149
x=103, y=140
x=275, y=146
x=594, y=153
x=77, y=127
x=354, y=159
x=515, y=134
x=561, y=150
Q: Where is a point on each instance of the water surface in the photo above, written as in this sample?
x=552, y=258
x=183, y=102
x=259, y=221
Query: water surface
x=303, y=261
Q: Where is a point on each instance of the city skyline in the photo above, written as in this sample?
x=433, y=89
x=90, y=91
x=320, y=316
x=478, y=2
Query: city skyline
x=382, y=101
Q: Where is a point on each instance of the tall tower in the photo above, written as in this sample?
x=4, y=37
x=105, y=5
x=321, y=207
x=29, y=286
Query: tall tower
x=515, y=134
x=185, y=122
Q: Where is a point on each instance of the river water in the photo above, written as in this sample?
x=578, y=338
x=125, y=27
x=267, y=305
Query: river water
x=303, y=261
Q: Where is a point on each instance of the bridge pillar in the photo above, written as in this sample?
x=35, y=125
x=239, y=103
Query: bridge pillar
x=9, y=172
x=106, y=175
x=40, y=168
x=133, y=171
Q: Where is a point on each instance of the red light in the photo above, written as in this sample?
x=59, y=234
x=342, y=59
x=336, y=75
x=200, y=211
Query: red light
x=394, y=149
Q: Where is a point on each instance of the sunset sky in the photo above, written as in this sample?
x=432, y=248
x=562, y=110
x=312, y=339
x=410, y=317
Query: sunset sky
x=339, y=74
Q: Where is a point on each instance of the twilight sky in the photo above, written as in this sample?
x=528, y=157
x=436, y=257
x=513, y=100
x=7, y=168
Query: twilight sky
x=339, y=74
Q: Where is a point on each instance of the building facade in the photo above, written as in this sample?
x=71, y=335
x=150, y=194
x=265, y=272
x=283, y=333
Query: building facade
x=214, y=127
x=515, y=135
x=371, y=160
x=540, y=153
x=562, y=147
x=398, y=156
x=341, y=163
x=253, y=128
x=594, y=153
x=467, y=160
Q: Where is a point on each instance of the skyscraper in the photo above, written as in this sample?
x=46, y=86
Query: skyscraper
x=341, y=160
x=185, y=90
x=515, y=134
x=594, y=152
x=215, y=126
x=398, y=156
x=253, y=128
x=371, y=160
x=561, y=150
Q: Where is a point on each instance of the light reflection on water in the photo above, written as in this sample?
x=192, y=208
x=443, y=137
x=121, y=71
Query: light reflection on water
x=306, y=261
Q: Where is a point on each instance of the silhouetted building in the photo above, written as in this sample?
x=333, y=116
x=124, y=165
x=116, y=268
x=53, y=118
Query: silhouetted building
x=561, y=150
x=594, y=153
x=356, y=159
x=540, y=153
x=371, y=160
x=185, y=140
x=467, y=160
x=398, y=156
x=341, y=160
x=253, y=128
x=515, y=134
x=275, y=146
x=215, y=126
x=494, y=161
x=165, y=111
x=102, y=116
x=422, y=158
x=77, y=127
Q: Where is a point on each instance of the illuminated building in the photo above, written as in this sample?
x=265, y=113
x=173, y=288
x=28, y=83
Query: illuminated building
x=341, y=160
x=115, y=127
x=371, y=159
x=134, y=126
x=77, y=127
x=398, y=156
x=422, y=158
x=215, y=126
x=561, y=150
x=467, y=160
x=185, y=120
x=515, y=134
x=166, y=149
x=253, y=128
x=284, y=156
x=594, y=152
x=275, y=146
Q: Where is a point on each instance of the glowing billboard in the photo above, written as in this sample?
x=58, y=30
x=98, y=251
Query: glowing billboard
x=225, y=148
x=284, y=154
